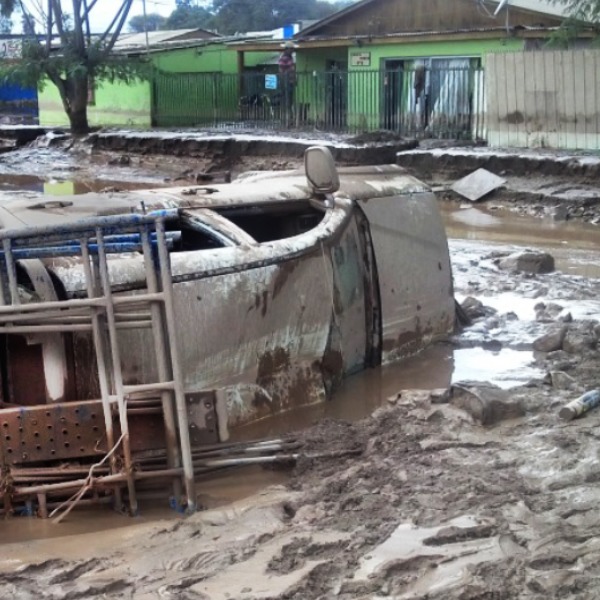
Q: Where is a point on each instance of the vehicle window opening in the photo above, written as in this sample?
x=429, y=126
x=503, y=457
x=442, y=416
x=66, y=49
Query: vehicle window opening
x=274, y=222
x=187, y=234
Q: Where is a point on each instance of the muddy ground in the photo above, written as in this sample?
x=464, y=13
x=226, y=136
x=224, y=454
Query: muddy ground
x=442, y=501
x=479, y=494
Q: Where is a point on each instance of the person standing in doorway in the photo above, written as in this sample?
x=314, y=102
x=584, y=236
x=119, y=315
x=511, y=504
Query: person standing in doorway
x=287, y=76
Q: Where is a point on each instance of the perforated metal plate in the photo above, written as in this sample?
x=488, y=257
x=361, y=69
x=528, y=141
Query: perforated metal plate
x=51, y=432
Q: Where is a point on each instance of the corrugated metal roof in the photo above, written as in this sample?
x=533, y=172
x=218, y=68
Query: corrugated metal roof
x=155, y=37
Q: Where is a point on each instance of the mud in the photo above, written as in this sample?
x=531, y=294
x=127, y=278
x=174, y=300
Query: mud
x=439, y=504
x=230, y=148
x=548, y=184
x=446, y=500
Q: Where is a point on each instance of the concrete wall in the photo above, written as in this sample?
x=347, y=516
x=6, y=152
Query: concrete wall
x=544, y=99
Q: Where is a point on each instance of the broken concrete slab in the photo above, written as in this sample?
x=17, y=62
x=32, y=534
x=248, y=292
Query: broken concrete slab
x=477, y=185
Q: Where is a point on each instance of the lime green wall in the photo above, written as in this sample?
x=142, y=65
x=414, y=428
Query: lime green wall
x=476, y=48
x=312, y=88
x=120, y=104
x=316, y=59
x=115, y=104
x=213, y=58
x=364, y=90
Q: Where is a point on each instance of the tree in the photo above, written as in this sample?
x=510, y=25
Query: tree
x=152, y=22
x=67, y=54
x=6, y=24
x=188, y=16
x=587, y=11
x=232, y=16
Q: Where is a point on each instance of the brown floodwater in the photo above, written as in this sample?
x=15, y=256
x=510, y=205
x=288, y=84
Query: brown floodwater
x=576, y=249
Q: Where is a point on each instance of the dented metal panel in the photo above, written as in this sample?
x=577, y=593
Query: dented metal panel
x=414, y=271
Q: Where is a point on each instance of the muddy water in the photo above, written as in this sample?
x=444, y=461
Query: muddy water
x=576, y=248
x=214, y=491
x=479, y=231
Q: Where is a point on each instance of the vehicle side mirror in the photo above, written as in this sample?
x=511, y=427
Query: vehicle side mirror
x=320, y=170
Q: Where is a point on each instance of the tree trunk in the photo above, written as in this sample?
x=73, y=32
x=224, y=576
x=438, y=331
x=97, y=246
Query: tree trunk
x=77, y=97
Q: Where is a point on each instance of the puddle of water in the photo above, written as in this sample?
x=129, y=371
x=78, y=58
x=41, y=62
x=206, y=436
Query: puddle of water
x=574, y=245
x=524, y=308
x=452, y=560
x=506, y=368
x=435, y=367
x=214, y=491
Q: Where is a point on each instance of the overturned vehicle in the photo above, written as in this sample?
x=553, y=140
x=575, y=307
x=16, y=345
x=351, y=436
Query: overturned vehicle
x=138, y=328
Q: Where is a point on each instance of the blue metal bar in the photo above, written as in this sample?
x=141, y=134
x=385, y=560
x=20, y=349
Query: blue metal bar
x=117, y=224
x=117, y=244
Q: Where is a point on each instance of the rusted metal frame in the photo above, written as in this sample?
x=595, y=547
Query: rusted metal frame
x=42, y=472
x=116, y=369
x=103, y=378
x=164, y=371
x=95, y=482
x=184, y=432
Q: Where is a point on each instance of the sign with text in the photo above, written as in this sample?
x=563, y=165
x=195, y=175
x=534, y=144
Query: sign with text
x=270, y=82
x=10, y=48
x=360, y=59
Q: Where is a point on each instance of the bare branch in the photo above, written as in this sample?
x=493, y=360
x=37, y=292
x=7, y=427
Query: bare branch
x=59, y=21
x=118, y=23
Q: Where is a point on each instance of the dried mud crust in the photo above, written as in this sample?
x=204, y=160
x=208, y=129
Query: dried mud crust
x=540, y=184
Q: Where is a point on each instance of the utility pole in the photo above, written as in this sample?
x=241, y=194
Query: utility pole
x=146, y=26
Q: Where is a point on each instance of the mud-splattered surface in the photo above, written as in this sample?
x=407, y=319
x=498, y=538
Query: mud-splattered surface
x=485, y=497
x=436, y=506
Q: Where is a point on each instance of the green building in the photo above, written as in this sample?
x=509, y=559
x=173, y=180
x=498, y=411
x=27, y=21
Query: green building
x=196, y=74
x=411, y=66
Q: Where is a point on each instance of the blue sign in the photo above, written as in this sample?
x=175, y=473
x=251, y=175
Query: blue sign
x=270, y=82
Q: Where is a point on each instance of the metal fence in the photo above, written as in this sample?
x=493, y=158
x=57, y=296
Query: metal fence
x=422, y=102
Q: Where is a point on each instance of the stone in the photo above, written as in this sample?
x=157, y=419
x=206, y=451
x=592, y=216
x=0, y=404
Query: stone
x=528, y=261
x=560, y=213
x=486, y=403
x=561, y=381
x=551, y=341
x=474, y=308
x=578, y=342
x=440, y=396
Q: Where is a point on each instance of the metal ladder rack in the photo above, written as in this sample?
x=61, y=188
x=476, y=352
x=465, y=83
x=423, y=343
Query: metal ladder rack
x=103, y=313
